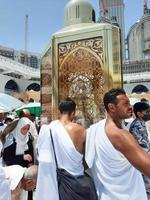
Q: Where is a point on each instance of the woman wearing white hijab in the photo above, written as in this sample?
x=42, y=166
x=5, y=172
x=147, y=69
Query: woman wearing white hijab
x=18, y=148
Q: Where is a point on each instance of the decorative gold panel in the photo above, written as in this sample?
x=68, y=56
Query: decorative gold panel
x=81, y=76
x=117, y=70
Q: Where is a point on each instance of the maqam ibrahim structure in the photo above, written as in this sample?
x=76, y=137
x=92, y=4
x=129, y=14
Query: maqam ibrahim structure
x=83, y=61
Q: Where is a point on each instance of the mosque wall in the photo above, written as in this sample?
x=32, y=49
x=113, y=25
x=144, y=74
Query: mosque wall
x=46, y=87
x=21, y=83
x=130, y=86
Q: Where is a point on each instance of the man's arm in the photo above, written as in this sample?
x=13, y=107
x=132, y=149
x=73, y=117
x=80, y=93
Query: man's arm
x=124, y=142
x=9, y=128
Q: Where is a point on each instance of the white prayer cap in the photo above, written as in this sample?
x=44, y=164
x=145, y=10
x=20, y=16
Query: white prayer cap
x=14, y=174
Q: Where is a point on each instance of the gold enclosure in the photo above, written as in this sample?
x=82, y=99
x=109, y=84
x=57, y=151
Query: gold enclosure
x=84, y=68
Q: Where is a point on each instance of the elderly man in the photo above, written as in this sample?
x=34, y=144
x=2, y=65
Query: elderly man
x=20, y=180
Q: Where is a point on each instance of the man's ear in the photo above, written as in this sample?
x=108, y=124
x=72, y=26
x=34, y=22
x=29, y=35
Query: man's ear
x=28, y=180
x=111, y=107
x=72, y=114
x=139, y=114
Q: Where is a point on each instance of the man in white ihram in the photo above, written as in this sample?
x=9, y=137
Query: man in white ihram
x=114, y=156
x=68, y=140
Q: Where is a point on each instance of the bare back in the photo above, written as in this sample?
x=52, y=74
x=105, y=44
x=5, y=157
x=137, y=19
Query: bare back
x=77, y=135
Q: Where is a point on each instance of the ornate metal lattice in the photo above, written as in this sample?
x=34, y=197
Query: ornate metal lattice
x=81, y=75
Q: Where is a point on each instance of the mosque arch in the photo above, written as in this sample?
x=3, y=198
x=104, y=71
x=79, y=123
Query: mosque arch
x=33, y=86
x=11, y=86
x=80, y=48
x=140, y=88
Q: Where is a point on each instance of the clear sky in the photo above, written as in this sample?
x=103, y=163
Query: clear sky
x=45, y=18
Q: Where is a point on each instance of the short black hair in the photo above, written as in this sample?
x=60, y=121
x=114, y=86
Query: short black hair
x=139, y=107
x=111, y=96
x=67, y=106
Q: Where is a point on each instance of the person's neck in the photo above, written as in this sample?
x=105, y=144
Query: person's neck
x=117, y=121
x=65, y=119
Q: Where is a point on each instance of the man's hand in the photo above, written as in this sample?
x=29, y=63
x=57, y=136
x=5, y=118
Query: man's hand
x=28, y=184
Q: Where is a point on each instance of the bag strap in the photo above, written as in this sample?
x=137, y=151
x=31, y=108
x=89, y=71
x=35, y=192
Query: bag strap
x=53, y=148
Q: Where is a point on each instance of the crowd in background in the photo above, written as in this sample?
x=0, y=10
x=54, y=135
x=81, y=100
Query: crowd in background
x=18, y=140
x=18, y=146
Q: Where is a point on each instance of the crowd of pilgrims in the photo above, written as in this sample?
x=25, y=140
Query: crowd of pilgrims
x=18, y=141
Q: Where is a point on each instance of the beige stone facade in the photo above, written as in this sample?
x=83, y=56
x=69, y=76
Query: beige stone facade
x=46, y=85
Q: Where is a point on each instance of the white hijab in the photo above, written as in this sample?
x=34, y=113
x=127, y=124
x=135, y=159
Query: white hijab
x=21, y=140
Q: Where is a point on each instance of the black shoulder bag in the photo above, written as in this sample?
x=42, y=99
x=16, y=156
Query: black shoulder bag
x=71, y=187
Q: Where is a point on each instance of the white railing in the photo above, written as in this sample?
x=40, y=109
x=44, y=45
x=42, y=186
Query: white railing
x=136, y=77
x=13, y=66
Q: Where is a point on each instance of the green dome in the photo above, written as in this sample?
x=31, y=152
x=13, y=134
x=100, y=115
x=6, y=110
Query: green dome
x=79, y=11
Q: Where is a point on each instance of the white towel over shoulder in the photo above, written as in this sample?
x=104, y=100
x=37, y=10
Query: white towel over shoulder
x=68, y=158
x=5, y=193
x=115, y=178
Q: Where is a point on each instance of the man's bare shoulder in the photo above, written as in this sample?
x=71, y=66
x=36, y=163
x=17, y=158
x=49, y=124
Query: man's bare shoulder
x=121, y=139
x=77, y=128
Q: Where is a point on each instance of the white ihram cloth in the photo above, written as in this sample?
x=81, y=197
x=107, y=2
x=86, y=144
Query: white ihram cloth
x=68, y=158
x=14, y=174
x=5, y=193
x=115, y=178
